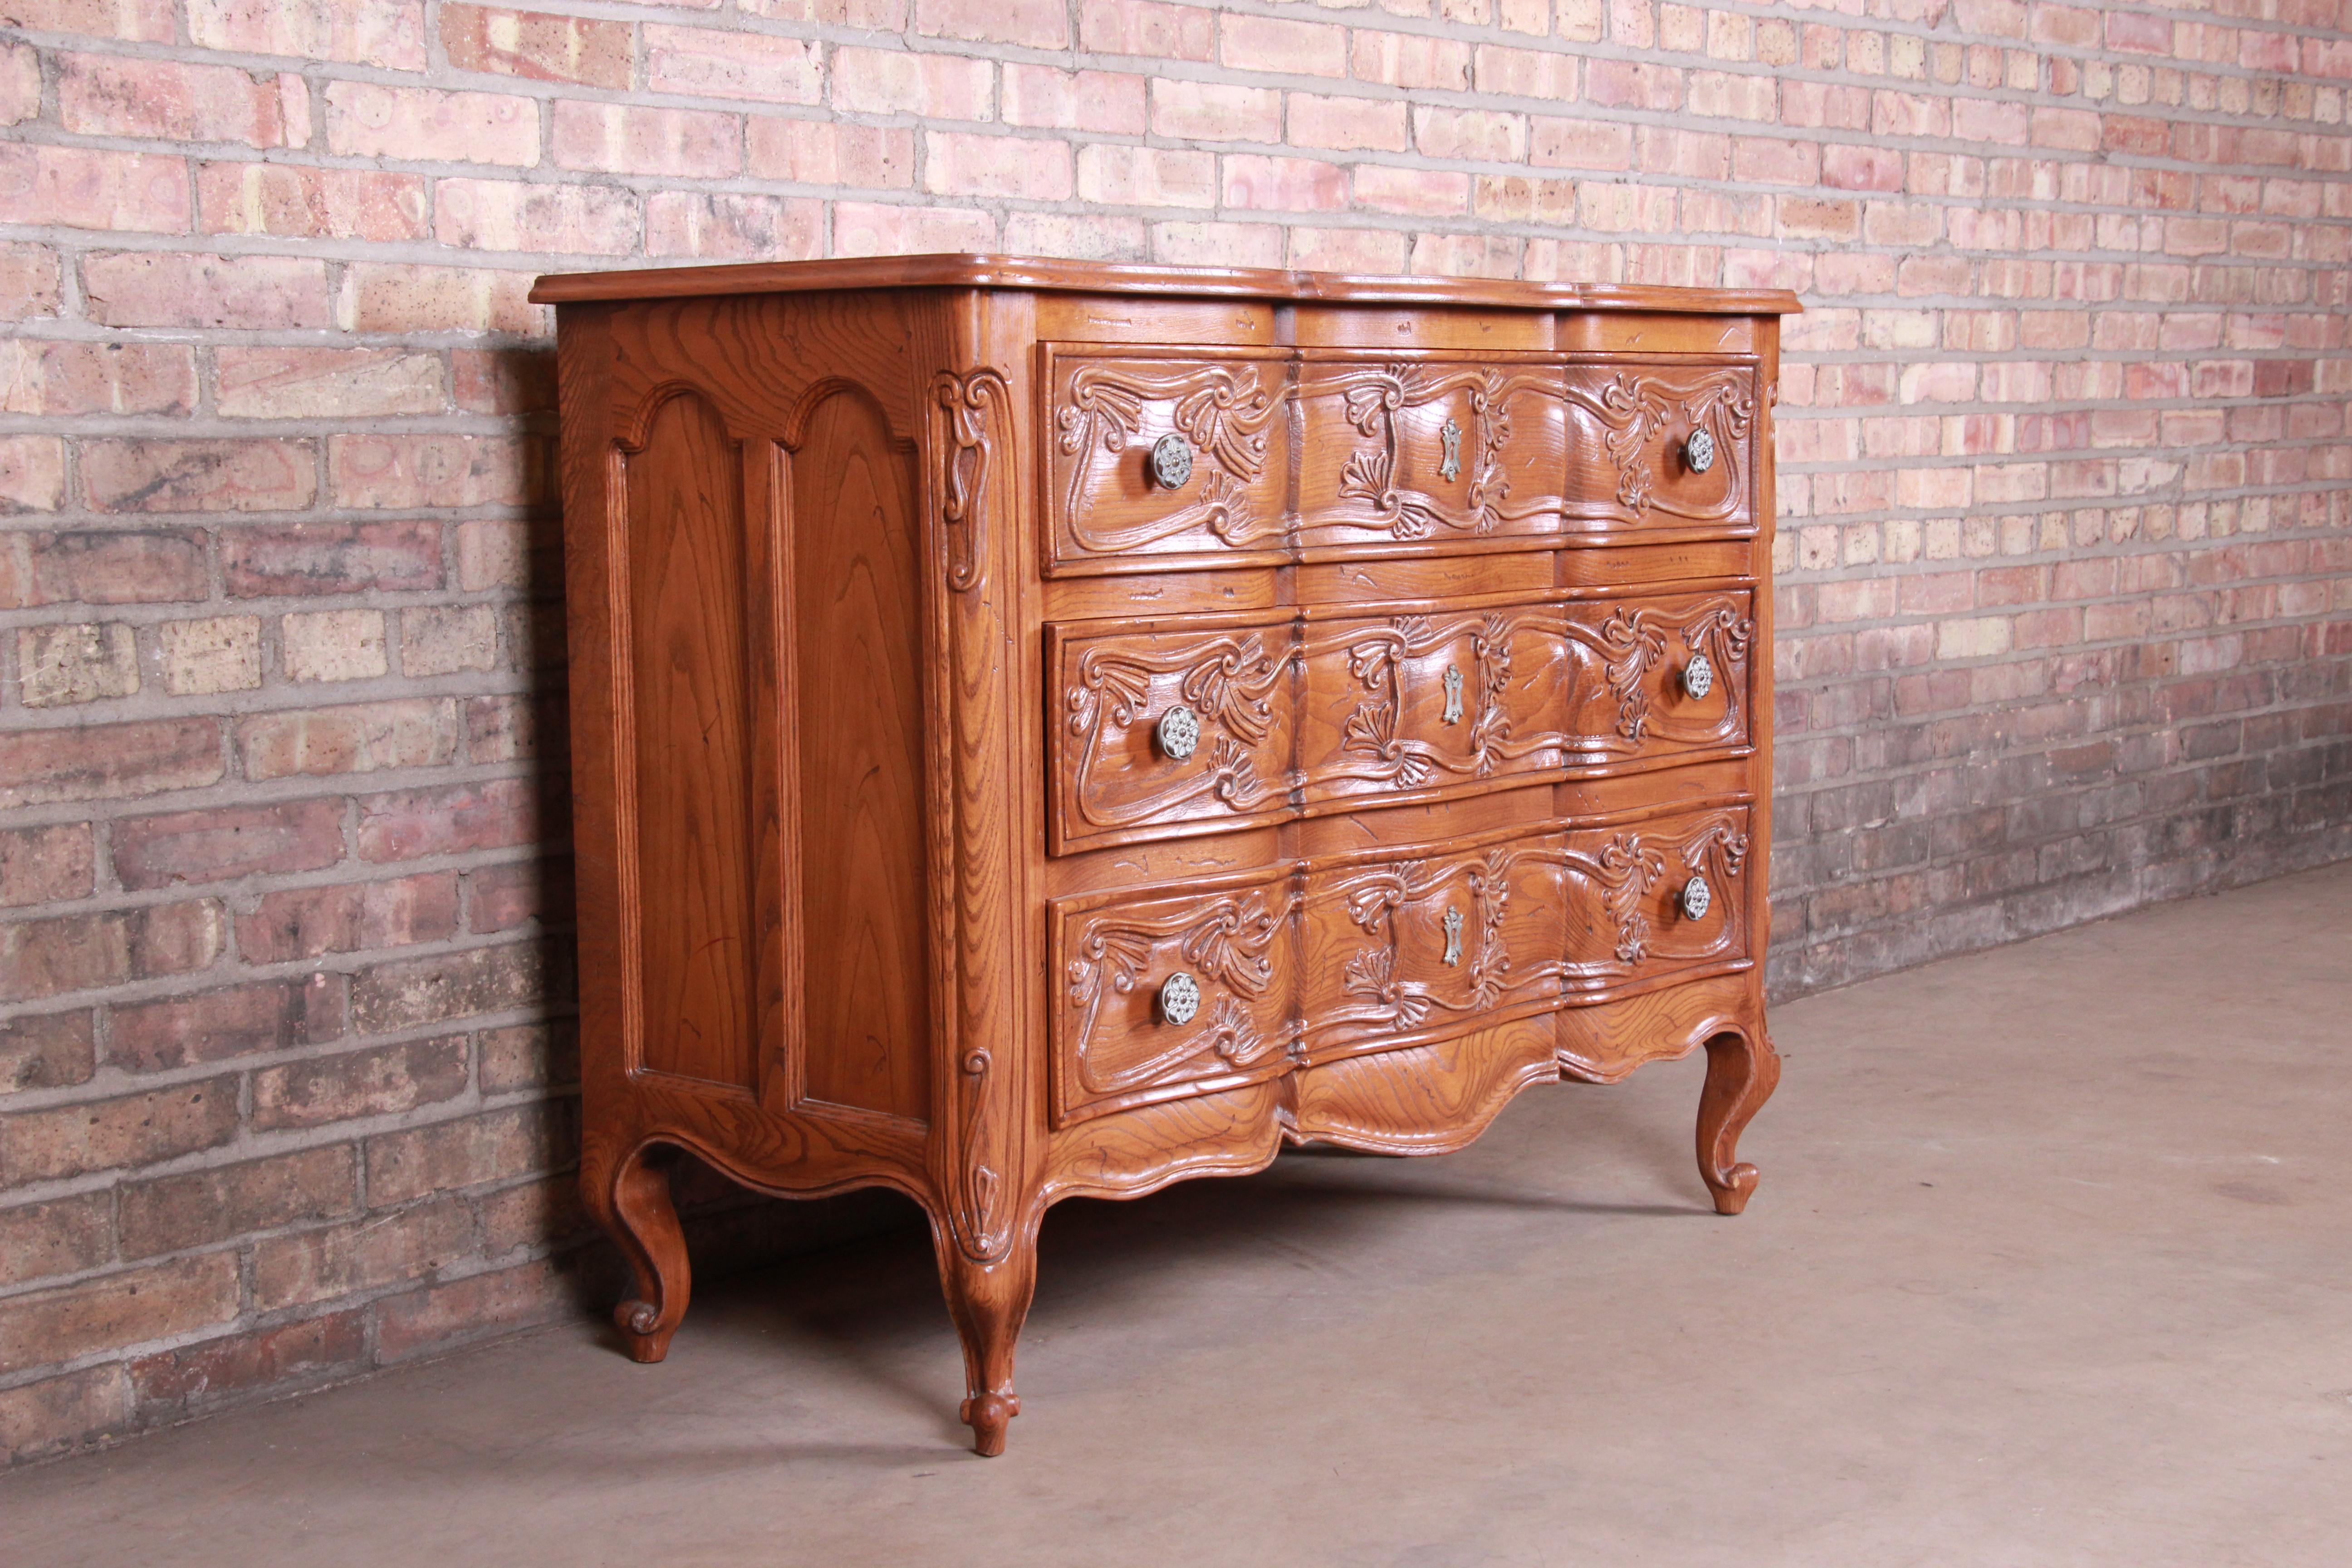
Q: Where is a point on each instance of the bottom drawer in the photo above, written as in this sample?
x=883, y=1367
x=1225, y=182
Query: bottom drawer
x=1167, y=992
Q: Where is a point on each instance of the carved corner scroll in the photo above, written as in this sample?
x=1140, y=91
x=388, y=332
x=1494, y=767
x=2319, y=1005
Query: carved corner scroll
x=1636, y=410
x=977, y=406
x=1221, y=413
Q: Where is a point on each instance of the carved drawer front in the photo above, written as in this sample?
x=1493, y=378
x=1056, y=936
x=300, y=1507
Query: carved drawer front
x=1650, y=899
x=1165, y=732
x=1414, y=702
x=1411, y=949
x=1406, y=451
x=1165, y=460
x=1656, y=677
x=1660, y=446
x=1172, y=995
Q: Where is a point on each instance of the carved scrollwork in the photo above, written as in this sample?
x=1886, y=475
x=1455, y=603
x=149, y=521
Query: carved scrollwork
x=1228, y=944
x=1629, y=868
x=1374, y=745
x=1631, y=644
x=971, y=402
x=1634, y=409
x=1379, y=899
x=1371, y=397
x=1230, y=683
x=1222, y=410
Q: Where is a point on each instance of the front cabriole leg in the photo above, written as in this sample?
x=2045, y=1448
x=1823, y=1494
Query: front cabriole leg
x=989, y=1299
x=1741, y=1070
x=630, y=1198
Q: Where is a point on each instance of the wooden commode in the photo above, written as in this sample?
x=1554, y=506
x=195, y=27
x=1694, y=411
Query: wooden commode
x=1043, y=729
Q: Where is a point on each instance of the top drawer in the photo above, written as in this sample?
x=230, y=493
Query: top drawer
x=1176, y=458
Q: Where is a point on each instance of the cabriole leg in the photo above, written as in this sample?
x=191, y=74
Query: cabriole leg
x=1741, y=1070
x=632, y=1202
x=989, y=1300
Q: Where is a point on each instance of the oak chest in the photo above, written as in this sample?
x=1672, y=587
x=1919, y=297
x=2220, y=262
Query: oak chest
x=1045, y=728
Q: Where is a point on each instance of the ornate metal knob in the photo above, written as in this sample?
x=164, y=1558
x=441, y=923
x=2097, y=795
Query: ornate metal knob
x=1699, y=676
x=1178, y=730
x=1172, y=461
x=1697, y=899
x=1699, y=451
x=1179, y=998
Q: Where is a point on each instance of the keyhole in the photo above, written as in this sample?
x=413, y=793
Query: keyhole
x=1453, y=695
x=1453, y=936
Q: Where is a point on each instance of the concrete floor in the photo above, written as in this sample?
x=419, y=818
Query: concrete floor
x=2043, y=1271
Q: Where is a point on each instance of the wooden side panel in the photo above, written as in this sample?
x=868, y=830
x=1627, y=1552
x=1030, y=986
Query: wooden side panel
x=690, y=702
x=858, y=644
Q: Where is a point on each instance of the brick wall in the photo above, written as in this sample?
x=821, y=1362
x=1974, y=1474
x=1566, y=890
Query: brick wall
x=2066, y=622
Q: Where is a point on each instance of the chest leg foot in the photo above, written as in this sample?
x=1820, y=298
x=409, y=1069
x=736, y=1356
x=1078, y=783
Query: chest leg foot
x=1741, y=1070
x=989, y=1300
x=631, y=1199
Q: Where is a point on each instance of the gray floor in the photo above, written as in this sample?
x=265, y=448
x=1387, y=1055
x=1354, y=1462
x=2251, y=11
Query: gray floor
x=2044, y=1270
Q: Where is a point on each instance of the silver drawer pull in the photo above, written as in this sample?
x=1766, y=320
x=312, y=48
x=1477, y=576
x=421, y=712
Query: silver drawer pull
x=1452, y=937
x=1699, y=676
x=1449, y=468
x=1699, y=451
x=1178, y=730
x=1697, y=899
x=1179, y=998
x=1172, y=461
x=1452, y=714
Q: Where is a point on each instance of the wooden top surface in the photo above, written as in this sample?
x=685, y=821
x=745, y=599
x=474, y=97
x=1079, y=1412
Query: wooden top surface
x=943, y=272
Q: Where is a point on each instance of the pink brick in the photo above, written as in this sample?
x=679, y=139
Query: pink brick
x=307, y=559
x=1293, y=184
x=105, y=95
x=149, y=289
x=227, y=842
x=147, y=475
x=2073, y=129
x=867, y=228
x=1581, y=144
x=726, y=227
x=429, y=470
x=960, y=163
x=893, y=81
x=1207, y=111
x=1767, y=160
x=141, y=21
x=67, y=378
x=365, y=737
x=85, y=188
x=305, y=923
x=823, y=152
x=706, y=63
x=687, y=143
x=507, y=214
x=1470, y=134
x=298, y=384
x=39, y=864
x=450, y=821
x=412, y=122
x=1114, y=174
x=387, y=34
x=107, y=761
x=1347, y=124
x=1851, y=167
x=1724, y=95
x=1061, y=99
x=1413, y=61
x=1623, y=84
x=1147, y=27
x=1286, y=49
x=1348, y=250
x=538, y=46
x=31, y=282
x=288, y=199
x=1038, y=24
x=1526, y=73
x=2133, y=33
x=1426, y=192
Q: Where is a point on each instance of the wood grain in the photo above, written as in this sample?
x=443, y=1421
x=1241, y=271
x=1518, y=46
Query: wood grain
x=856, y=565
x=691, y=667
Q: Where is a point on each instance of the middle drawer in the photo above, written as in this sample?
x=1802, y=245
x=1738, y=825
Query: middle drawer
x=1215, y=723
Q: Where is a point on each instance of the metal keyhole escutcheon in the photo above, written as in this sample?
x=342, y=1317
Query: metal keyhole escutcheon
x=1699, y=676
x=1178, y=730
x=1452, y=714
x=1179, y=998
x=1450, y=467
x=1699, y=451
x=1696, y=898
x=1172, y=461
x=1453, y=936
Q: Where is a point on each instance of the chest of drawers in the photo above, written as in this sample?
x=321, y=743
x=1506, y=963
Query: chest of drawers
x=1045, y=728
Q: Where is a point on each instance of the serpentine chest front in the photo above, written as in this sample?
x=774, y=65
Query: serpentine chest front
x=1045, y=728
